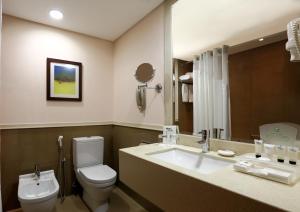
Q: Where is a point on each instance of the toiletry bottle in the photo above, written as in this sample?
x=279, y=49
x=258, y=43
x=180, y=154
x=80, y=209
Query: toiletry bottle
x=269, y=151
x=259, y=146
x=280, y=151
x=292, y=153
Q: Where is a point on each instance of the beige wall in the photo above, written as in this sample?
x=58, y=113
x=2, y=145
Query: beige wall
x=108, y=68
x=23, y=89
x=142, y=43
x=25, y=47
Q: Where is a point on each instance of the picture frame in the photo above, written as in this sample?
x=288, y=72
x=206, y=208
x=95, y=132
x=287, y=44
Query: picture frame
x=64, y=80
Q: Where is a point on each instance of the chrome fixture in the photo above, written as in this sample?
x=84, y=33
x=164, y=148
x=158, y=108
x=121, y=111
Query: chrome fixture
x=217, y=132
x=144, y=74
x=37, y=172
x=157, y=87
x=61, y=169
x=204, y=140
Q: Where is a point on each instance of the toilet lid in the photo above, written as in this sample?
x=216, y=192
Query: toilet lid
x=98, y=173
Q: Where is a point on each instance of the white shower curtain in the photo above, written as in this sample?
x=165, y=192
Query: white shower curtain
x=211, y=92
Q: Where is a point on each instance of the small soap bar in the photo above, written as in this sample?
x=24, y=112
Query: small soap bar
x=226, y=153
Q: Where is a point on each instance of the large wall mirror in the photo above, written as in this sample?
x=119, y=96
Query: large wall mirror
x=232, y=71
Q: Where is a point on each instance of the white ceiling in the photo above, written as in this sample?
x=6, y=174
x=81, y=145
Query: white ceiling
x=201, y=25
x=106, y=19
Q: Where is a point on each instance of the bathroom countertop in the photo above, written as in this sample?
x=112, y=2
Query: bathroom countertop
x=282, y=196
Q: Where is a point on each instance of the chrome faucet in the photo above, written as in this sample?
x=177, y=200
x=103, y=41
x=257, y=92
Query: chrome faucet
x=37, y=173
x=204, y=140
x=217, y=132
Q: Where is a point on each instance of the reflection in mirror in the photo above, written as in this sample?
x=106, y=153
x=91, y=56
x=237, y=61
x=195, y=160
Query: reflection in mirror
x=236, y=78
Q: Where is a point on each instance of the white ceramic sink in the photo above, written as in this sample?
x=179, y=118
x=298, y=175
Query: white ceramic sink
x=199, y=162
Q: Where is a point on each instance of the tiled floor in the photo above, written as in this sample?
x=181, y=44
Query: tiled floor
x=119, y=202
x=71, y=203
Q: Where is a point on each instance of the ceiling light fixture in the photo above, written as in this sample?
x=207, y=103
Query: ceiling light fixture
x=261, y=39
x=56, y=14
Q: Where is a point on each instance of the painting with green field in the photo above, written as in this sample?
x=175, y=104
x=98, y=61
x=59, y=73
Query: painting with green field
x=64, y=80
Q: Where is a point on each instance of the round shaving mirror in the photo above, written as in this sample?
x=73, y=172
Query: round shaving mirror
x=144, y=73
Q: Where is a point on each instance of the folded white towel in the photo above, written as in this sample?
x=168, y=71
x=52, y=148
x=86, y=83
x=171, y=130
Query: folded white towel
x=185, y=92
x=264, y=172
x=190, y=92
x=184, y=77
x=189, y=73
x=188, y=77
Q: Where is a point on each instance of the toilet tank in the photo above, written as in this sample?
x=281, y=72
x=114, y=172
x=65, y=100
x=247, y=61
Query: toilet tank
x=88, y=151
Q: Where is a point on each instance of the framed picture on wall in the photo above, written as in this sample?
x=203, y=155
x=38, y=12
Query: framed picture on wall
x=64, y=80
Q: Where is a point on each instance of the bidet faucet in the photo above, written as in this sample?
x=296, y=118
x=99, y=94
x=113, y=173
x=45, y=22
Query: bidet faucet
x=37, y=173
x=204, y=140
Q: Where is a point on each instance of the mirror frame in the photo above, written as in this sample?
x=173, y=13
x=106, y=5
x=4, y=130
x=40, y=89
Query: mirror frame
x=168, y=61
x=168, y=74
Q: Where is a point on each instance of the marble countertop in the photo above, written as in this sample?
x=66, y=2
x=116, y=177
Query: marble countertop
x=282, y=196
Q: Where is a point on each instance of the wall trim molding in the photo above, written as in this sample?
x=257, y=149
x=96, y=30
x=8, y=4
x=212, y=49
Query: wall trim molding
x=156, y=127
x=79, y=124
x=57, y=124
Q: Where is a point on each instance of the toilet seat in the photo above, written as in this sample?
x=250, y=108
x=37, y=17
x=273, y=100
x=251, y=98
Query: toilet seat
x=100, y=175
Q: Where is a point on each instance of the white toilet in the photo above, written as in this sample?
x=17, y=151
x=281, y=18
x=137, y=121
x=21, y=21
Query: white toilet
x=96, y=179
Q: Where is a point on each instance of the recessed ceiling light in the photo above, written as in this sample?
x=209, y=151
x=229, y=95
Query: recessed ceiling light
x=261, y=39
x=56, y=14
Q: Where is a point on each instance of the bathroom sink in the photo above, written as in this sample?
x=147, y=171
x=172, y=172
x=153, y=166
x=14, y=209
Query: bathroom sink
x=199, y=162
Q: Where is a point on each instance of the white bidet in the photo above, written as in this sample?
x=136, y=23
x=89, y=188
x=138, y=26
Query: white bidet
x=38, y=194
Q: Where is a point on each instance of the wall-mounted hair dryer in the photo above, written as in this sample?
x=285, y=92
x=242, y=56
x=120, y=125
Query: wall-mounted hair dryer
x=293, y=43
